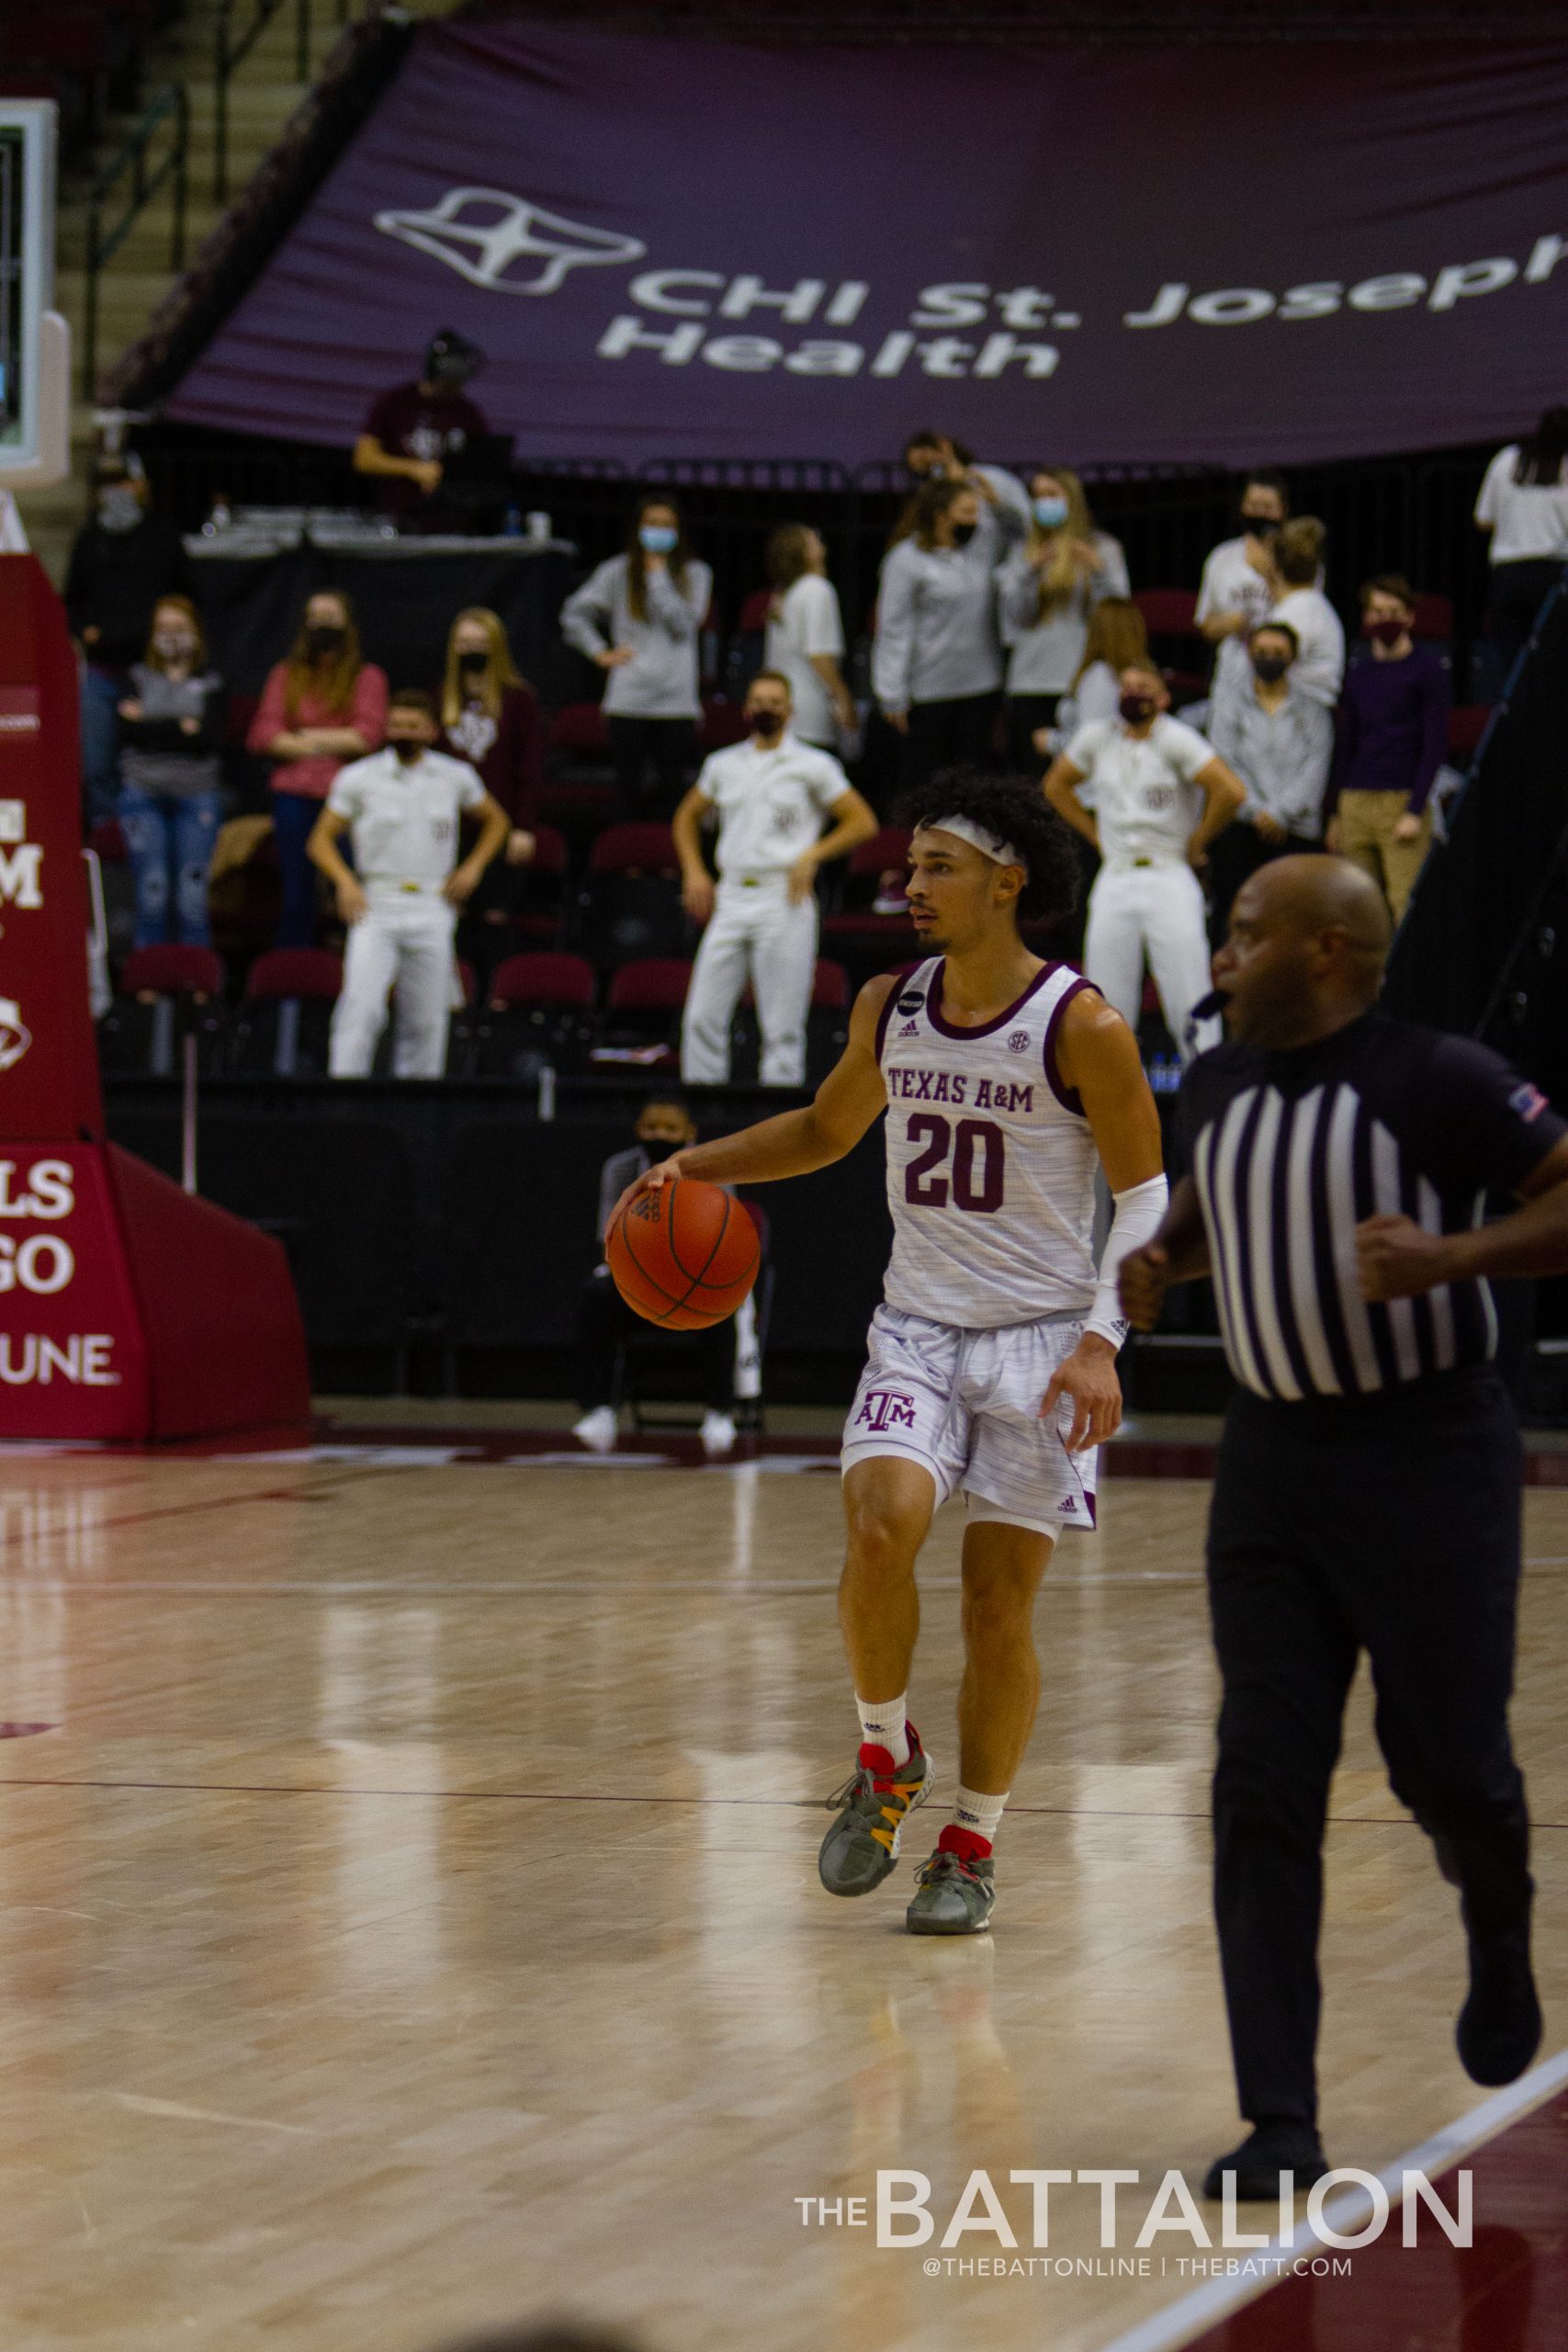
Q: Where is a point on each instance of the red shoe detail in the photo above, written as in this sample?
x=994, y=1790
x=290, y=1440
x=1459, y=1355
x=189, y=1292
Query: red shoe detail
x=878, y=1761
x=967, y=1844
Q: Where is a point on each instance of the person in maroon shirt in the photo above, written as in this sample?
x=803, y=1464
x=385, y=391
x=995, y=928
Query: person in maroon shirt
x=413, y=432
x=491, y=717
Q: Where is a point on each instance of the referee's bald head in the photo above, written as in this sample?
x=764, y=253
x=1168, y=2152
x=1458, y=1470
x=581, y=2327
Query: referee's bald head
x=1309, y=937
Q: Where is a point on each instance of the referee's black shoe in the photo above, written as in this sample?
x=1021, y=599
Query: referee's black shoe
x=1277, y=2144
x=1499, y=2027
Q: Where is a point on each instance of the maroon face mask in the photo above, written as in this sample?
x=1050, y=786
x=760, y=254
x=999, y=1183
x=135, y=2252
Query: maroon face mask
x=1386, y=632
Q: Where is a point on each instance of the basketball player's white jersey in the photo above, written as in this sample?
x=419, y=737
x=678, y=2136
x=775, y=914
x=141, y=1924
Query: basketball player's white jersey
x=990, y=1160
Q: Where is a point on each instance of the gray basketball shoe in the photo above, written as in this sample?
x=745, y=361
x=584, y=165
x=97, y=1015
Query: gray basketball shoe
x=953, y=1896
x=873, y=1805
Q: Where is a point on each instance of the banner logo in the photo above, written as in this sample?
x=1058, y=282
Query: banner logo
x=493, y=239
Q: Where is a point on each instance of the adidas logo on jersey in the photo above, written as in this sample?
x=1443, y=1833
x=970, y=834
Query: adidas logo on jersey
x=910, y=1029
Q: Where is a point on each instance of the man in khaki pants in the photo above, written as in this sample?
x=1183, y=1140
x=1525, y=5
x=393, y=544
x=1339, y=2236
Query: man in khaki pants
x=1394, y=723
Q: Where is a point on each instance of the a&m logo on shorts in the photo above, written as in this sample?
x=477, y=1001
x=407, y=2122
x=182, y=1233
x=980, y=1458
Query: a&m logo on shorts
x=885, y=1409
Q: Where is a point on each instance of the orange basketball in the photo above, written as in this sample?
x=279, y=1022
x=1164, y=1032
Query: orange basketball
x=683, y=1257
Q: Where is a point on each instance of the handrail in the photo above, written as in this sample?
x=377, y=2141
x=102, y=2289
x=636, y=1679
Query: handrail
x=171, y=103
x=231, y=51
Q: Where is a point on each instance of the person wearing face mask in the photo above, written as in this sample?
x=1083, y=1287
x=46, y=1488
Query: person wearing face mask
x=936, y=664
x=171, y=728
x=1004, y=509
x=491, y=718
x=1045, y=592
x=771, y=797
x=805, y=639
x=638, y=617
x=1394, y=733
x=1161, y=794
x=1235, y=592
x=402, y=806
x=125, y=556
x=1281, y=743
x=414, y=431
x=319, y=707
x=664, y=1125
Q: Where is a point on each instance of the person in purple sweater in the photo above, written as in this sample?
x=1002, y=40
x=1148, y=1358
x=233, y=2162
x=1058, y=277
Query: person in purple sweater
x=1393, y=733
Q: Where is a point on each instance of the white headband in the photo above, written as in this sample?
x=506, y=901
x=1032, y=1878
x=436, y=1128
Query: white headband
x=989, y=845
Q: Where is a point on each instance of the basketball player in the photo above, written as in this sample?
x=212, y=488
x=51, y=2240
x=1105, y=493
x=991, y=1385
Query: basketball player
x=992, y=1363
x=772, y=796
x=401, y=897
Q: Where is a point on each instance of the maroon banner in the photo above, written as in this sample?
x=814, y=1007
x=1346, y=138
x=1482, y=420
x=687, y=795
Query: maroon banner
x=48, y=1063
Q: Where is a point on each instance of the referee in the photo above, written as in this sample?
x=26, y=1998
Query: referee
x=1367, y=1495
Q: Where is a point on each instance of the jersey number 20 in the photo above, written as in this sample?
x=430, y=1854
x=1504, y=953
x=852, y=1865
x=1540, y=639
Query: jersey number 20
x=977, y=1149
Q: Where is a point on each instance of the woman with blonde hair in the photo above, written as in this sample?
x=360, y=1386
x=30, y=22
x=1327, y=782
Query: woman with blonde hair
x=320, y=708
x=1117, y=639
x=805, y=641
x=171, y=728
x=1047, y=590
x=491, y=717
x=639, y=617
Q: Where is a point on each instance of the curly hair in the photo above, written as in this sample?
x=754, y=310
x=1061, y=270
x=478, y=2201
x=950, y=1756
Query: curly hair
x=1013, y=807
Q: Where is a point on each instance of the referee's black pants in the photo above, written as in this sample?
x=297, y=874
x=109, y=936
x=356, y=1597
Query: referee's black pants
x=1389, y=1523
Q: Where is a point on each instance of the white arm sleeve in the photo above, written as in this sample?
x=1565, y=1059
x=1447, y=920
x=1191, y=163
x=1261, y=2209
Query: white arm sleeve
x=1138, y=1212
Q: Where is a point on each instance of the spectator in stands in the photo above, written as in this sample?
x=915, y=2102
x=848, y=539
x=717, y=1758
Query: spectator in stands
x=1293, y=566
x=413, y=432
x=640, y=616
x=125, y=556
x=321, y=707
x=171, y=724
x=402, y=806
x=805, y=641
x=1279, y=741
x=491, y=717
x=1004, y=511
x=1523, y=508
x=1161, y=794
x=1045, y=591
x=772, y=796
x=1233, y=593
x=1393, y=733
x=936, y=665
x=1116, y=640
x=603, y=1319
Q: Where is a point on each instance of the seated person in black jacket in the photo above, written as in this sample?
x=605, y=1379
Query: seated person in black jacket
x=603, y=1318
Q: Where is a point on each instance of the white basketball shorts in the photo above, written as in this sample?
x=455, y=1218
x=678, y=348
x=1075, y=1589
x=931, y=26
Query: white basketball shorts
x=966, y=1406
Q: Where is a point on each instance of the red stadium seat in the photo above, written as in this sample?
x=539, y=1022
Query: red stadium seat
x=1168, y=612
x=754, y=612
x=1467, y=724
x=172, y=970
x=635, y=849
x=542, y=980
x=311, y=973
x=653, y=984
x=1434, y=617
x=868, y=942
x=539, y=919
x=722, y=723
x=580, y=727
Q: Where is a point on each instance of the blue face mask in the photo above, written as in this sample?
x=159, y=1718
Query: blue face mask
x=658, y=539
x=1050, y=513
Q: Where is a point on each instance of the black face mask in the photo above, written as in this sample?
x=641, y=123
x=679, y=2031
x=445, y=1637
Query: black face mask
x=323, y=638
x=470, y=664
x=407, y=751
x=660, y=1147
x=1270, y=667
x=767, y=724
x=963, y=533
x=1259, y=526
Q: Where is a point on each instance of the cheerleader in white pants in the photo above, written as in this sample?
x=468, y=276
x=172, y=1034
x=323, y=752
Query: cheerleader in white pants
x=772, y=796
x=1160, y=794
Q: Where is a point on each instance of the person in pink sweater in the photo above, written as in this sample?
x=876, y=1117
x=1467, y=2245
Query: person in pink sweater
x=320, y=708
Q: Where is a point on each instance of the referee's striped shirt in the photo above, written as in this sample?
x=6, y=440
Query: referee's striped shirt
x=1289, y=1151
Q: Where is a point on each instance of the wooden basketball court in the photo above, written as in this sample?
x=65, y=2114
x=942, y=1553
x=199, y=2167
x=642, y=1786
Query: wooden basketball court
x=408, y=1915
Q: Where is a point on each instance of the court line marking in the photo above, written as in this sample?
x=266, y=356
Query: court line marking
x=178, y=2112
x=1346, y=2213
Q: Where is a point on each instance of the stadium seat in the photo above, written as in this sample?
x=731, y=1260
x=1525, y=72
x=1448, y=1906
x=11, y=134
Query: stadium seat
x=861, y=938
x=629, y=905
x=1168, y=612
x=165, y=994
x=1434, y=618
x=542, y=914
x=537, y=1009
x=744, y=654
x=645, y=1004
x=281, y=1028
x=723, y=722
x=580, y=727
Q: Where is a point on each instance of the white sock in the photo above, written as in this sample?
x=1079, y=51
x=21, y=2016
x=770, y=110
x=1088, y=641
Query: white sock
x=980, y=1814
x=882, y=1724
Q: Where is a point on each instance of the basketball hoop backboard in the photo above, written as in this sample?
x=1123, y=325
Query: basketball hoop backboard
x=35, y=341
